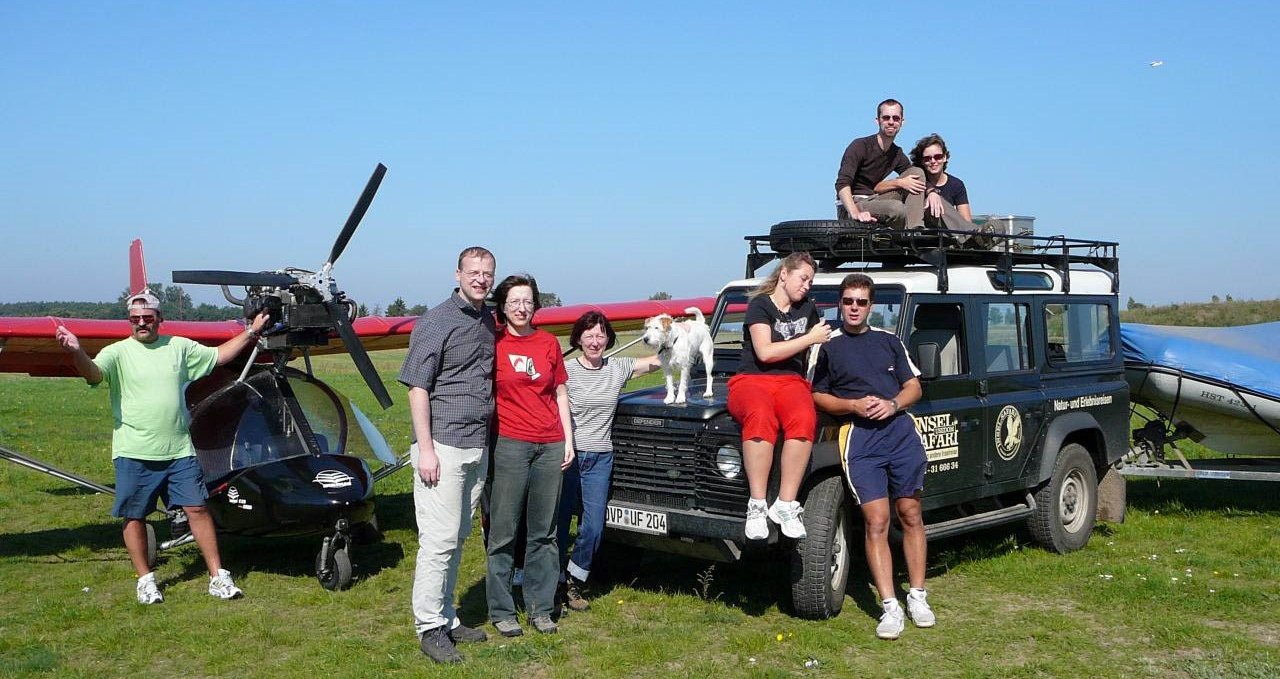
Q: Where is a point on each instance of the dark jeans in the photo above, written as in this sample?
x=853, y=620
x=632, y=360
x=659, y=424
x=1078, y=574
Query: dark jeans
x=585, y=482
x=526, y=482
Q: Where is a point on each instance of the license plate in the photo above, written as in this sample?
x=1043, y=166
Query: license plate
x=638, y=520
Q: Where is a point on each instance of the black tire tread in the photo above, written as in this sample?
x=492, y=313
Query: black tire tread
x=811, y=594
x=1044, y=524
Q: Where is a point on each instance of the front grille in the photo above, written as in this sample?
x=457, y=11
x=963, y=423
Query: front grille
x=673, y=466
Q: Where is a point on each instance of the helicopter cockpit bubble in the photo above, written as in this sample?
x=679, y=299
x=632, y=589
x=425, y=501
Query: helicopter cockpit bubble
x=267, y=418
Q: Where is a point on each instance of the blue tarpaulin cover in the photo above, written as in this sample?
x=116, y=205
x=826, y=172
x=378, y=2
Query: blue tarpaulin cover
x=1246, y=356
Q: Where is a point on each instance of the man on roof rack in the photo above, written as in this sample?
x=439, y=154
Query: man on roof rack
x=864, y=192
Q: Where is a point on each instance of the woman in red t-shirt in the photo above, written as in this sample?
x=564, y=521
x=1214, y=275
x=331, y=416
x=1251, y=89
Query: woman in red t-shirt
x=534, y=446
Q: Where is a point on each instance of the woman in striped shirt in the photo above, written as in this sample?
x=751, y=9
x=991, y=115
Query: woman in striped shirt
x=594, y=385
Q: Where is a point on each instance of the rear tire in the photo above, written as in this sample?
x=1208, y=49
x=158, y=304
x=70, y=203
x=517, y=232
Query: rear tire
x=821, y=561
x=1066, y=505
x=153, y=547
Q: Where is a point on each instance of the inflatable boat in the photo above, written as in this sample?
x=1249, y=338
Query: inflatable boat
x=1222, y=385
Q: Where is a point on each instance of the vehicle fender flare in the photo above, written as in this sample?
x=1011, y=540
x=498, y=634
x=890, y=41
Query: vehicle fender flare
x=1059, y=430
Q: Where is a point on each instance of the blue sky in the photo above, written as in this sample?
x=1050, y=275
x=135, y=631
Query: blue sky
x=614, y=149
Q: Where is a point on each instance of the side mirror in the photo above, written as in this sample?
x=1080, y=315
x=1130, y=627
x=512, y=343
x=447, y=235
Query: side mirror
x=930, y=362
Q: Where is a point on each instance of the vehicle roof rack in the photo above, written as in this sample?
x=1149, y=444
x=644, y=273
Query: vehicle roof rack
x=835, y=245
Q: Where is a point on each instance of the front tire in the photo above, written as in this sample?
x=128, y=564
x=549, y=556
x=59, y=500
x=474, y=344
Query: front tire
x=821, y=561
x=1066, y=505
x=337, y=575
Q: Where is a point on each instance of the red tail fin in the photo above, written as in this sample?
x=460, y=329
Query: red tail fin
x=137, y=268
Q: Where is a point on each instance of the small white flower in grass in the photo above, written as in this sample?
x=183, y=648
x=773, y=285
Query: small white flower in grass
x=1106, y=576
x=1235, y=575
x=1110, y=542
x=84, y=589
x=1180, y=550
x=811, y=664
x=751, y=661
x=1213, y=591
x=1174, y=578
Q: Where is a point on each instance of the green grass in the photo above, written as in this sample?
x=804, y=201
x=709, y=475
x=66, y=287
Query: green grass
x=1005, y=608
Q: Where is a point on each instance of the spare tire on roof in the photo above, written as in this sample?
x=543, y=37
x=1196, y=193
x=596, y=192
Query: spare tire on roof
x=815, y=236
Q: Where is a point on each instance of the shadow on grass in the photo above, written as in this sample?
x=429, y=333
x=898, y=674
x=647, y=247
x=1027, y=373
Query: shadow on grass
x=1192, y=495
x=97, y=537
x=291, y=557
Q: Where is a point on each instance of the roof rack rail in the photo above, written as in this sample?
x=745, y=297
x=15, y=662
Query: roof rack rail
x=835, y=244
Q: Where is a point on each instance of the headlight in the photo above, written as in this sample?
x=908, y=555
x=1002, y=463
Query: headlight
x=729, y=462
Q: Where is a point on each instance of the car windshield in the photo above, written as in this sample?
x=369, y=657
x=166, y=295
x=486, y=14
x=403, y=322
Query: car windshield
x=732, y=307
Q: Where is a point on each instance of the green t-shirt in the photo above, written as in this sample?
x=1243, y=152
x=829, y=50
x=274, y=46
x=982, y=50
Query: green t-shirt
x=148, y=384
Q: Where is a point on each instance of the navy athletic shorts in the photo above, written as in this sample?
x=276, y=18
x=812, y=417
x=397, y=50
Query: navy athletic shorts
x=886, y=461
x=140, y=482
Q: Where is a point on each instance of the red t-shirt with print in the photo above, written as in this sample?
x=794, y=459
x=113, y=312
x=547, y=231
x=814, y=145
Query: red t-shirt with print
x=529, y=370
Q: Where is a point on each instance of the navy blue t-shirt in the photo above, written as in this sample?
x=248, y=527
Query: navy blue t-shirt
x=954, y=191
x=783, y=326
x=873, y=363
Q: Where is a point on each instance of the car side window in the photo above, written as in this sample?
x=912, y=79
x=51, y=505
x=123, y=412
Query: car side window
x=1007, y=345
x=1078, y=332
x=937, y=334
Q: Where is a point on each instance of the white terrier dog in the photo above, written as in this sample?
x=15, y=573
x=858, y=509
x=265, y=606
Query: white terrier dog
x=680, y=343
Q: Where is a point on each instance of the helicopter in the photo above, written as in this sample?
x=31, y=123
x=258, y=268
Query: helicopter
x=283, y=453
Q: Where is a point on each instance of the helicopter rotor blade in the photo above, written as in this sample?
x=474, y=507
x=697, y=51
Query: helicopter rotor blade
x=359, y=356
x=357, y=213
x=266, y=279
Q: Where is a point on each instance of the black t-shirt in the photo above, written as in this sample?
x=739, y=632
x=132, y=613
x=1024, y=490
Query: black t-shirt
x=783, y=326
x=953, y=191
x=864, y=165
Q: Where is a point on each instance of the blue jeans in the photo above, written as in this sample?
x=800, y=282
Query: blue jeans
x=525, y=483
x=585, y=482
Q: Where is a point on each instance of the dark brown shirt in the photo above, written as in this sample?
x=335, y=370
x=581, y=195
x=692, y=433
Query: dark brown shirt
x=864, y=165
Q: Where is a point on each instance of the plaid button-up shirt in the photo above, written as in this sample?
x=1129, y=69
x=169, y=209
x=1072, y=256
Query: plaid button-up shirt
x=451, y=353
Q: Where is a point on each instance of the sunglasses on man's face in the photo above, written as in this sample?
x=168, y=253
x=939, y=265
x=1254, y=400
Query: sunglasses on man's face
x=935, y=158
x=142, y=320
x=850, y=301
x=890, y=118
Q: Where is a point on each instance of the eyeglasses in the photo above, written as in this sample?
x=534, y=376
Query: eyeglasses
x=850, y=301
x=478, y=275
x=890, y=118
x=519, y=304
x=142, y=320
x=935, y=158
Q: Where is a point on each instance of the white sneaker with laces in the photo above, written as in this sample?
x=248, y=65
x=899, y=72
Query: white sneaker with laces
x=222, y=586
x=790, y=516
x=891, y=621
x=148, y=591
x=918, y=609
x=757, y=520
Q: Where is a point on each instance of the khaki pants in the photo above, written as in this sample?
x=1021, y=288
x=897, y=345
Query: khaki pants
x=899, y=209
x=443, y=513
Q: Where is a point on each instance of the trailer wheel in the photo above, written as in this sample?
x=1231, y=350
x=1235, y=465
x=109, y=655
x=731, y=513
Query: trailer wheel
x=820, y=562
x=1067, y=504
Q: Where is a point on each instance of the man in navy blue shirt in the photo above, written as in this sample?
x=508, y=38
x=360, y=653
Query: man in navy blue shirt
x=863, y=376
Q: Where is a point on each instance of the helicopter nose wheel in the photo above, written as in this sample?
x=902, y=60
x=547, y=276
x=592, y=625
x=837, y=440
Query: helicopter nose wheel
x=333, y=563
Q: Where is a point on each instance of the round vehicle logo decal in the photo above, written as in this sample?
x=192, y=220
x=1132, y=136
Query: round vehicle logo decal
x=1008, y=432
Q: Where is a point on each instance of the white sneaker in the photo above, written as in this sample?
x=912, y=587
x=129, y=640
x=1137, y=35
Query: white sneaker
x=891, y=622
x=222, y=586
x=918, y=609
x=757, y=520
x=148, y=592
x=789, y=515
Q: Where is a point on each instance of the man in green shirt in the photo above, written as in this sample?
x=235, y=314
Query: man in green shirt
x=151, y=449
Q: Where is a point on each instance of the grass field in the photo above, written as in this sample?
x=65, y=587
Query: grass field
x=1188, y=586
